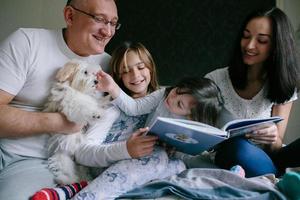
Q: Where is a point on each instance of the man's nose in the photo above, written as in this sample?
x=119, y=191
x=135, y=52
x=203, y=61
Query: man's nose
x=107, y=29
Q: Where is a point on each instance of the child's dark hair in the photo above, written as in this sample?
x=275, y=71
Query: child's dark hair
x=207, y=95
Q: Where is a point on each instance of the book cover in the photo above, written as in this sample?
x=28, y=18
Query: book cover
x=193, y=137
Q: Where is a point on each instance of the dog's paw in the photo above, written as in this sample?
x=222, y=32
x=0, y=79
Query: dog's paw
x=96, y=116
x=63, y=168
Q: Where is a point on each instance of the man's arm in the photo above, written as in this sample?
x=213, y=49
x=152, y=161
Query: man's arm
x=15, y=122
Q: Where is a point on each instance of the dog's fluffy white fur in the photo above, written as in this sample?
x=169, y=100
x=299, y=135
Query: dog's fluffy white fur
x=73, y=94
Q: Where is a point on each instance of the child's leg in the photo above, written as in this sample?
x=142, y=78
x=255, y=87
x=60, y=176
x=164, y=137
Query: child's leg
x=124, y=176
x=239, y=151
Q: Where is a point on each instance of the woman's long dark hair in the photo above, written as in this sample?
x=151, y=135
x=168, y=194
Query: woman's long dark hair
x=281, y=66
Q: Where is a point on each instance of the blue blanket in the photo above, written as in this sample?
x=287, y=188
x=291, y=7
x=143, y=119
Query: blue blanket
x=208, y=184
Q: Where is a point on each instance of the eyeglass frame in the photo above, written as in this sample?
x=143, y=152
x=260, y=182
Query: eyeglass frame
x=103, y=21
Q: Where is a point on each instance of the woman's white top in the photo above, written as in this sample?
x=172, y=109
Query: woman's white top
x=257, y=107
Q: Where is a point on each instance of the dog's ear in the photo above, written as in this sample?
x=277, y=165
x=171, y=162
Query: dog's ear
x=66, y=73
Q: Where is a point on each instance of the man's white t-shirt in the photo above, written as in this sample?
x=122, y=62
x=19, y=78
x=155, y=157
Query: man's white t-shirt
x=29, y=60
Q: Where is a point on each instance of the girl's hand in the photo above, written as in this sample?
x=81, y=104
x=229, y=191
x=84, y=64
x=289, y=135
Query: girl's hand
x=139, y=144
x=266, y=135
x=107, y=84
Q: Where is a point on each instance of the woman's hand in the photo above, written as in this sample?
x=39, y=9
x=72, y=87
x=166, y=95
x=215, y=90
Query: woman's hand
x=139, y=144
x=266, y=135
x=107, y=84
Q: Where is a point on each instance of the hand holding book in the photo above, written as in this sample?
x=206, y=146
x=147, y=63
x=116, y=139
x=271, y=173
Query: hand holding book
x=194, y=137
x=265, y=134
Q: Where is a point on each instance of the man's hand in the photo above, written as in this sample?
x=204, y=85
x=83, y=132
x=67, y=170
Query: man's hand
x=139, y=144
x=66, y=126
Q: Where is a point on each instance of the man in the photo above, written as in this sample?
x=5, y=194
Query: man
x=29, y=60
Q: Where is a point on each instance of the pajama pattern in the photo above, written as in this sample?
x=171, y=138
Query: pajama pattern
x=129, y=174
x=125, y=175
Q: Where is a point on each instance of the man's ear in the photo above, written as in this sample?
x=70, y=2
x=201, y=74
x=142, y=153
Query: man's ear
x=68, y=15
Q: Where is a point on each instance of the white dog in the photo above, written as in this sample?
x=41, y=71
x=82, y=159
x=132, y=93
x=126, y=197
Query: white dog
x=74, y=95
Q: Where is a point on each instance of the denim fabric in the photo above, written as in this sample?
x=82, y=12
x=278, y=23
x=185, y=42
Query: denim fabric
x=240, y=151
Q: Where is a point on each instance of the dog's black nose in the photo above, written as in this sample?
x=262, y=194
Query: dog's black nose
x=96, y=82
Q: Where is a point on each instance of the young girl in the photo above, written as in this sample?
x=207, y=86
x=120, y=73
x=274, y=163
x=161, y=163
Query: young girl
x=138, y=162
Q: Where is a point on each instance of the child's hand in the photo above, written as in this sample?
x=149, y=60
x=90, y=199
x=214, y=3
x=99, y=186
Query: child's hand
x=139, y=144
x=107, y=84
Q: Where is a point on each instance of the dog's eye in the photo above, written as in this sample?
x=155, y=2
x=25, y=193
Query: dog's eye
x=85, y=72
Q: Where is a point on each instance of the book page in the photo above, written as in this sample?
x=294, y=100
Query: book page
x=246, y=122
x=197, y=126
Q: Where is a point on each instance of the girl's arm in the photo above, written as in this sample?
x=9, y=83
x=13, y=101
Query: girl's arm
x=107, y=84
x=139, y=106
x=102, y=155
x=127, y=104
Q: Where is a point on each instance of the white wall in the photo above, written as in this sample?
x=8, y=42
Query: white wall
x=292, y=9
x=30, y=13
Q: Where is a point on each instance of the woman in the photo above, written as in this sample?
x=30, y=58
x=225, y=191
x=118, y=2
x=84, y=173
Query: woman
x=261, y=81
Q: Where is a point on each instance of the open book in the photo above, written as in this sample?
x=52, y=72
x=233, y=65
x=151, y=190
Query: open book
x=193, y=137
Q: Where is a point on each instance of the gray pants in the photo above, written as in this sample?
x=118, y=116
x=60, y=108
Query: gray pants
x=21, y=177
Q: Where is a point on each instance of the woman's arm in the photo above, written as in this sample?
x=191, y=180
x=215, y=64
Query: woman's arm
x=282, y=110
x=272, y=136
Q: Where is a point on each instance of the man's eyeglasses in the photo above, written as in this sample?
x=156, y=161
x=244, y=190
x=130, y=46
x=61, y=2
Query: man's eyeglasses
x=99, y=20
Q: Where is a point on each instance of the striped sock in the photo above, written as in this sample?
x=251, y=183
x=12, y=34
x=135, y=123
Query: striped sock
x=59, y=193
